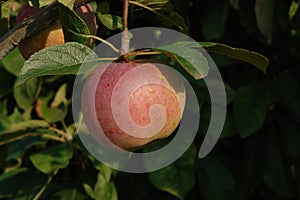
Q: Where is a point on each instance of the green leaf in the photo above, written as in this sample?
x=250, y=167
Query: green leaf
x=173, y=178
x=40, y=3
x=60, y=96
x=25, y=125
x=264, y=10
x=67, y=3
x=13, y=62
x=214, y=18
x=16, y=149
x=74, y=27
x=250, y=57
x=164, y=10
x=249, y=109
x=105, y=189
x=104, y=170
x=216, y=182
x=89, y=190
x=51, y=159
x=192, y=60
x=68, y=194
x=113, y=22
x=58, y=109
x=293, y=9
x=26, y=94
x=7, y=122
x=55, y=60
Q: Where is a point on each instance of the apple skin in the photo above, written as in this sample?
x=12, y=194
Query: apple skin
x=103, y=97
x=53, y=34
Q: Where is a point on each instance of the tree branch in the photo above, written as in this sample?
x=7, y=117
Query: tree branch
x=125, y=33
x=31, y=26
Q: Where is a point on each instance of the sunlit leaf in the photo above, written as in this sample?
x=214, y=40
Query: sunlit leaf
x=55, y=60
x=67, y=3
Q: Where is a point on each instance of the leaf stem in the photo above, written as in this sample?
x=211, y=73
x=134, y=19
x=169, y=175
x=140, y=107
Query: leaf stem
x=104, y=41
x=144, y=53
x=62, y=133
x=63, y=123
x=107, y=59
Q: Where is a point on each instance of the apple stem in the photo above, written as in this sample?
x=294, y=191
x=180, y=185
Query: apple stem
x=125, y=33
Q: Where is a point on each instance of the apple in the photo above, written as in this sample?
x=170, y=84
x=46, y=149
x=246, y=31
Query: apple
x=130, y=105
x=52, y=35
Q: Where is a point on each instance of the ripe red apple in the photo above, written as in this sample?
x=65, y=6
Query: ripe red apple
x=52, y=35
x=131, y=104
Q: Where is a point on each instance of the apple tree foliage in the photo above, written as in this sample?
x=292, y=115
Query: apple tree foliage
x=255, y=44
